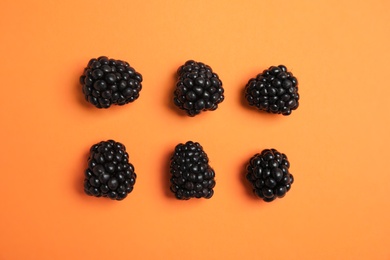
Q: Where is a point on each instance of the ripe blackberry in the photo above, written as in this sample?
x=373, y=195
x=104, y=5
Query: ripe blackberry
x=192, y=176
x=198, y=88
x=108, y=81
x=268, y=173
x=274, y=91
x=109, y=172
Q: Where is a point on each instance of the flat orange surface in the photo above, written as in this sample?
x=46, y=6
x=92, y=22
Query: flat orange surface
x=337, y=140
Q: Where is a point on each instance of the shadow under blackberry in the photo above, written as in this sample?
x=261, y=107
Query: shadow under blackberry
x=166, y=175
x=79, y=175
x=78, y=93
x=170, y=96
x=245, y=183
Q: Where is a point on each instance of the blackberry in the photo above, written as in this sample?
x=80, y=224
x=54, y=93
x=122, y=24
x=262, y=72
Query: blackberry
x=269, y=174
x=109, y=173
x=107, y=81
x=274, y=91
x=191, y=175
x=198, y=88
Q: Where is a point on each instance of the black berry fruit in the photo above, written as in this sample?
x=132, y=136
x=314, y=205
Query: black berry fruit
x=198, y=88
x=109, y=173
x=107, y=81
x=269, y=174
x=191, y=174
x=274, y=91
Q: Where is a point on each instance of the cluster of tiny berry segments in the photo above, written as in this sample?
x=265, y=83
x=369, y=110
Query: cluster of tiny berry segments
x=110, y=174
x=275, y=90
x=191, y=174
x=198, y=88
x=107, y=81
x=268, y=172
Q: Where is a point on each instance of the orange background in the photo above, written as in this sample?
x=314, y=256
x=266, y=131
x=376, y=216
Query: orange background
x=337, y=141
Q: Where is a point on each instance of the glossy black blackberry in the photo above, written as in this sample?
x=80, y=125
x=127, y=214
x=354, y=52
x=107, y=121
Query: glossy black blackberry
x=109, y=173
x=107, y=81
x=269, y=174
x=191, y=174
x=274, y=91
x=198, y=88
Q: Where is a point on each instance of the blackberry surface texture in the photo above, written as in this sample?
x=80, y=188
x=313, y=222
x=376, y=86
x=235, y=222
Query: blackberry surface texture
x=269, y=174
x=107, y=81
x=191, y=174
x=274, y=91
x=109, y=173
x=198, y=88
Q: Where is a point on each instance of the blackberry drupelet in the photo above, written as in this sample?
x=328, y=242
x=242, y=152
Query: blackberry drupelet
x=269, y=174
x=274, y=91
x=198, y=88
x=107, y=81
x=191, y=174
x=109, y=173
